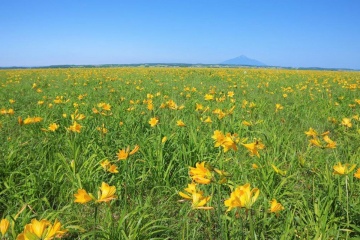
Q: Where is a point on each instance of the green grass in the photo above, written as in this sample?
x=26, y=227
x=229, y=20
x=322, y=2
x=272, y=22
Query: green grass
x=42, y=170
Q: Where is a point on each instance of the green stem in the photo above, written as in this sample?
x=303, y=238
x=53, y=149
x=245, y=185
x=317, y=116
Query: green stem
x=95, y=219
x=252, y=234
x=209, y=225
x=347, y=205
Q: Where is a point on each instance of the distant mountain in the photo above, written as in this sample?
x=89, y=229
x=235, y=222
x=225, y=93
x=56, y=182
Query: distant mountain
x=243, y=60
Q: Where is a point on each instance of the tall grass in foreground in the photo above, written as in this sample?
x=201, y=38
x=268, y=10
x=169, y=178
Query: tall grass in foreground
x=160, y=153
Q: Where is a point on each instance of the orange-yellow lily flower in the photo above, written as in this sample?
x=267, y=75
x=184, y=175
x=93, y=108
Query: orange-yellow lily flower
x=82, y=196
x=340, y=169
x=106, y=193
x=275, y=207
x=4, y=225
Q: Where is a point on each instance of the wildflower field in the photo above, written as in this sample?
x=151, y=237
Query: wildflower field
x=179, y=153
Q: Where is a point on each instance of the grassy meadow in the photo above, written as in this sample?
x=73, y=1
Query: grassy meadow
x=179, y=153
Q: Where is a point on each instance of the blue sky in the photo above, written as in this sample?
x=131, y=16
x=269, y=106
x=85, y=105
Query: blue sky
x=293, y=33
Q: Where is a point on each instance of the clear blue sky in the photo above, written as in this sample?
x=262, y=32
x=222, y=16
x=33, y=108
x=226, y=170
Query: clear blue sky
x=295, y=33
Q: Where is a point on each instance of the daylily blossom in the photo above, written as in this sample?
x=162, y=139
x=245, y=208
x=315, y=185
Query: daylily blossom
x=42, y=229
x=357, y=174
x=330, y=143
x=346, y=122
x=242, y=197
x=153, y=122
x=227, y=141
x=75, y=127
x=340, y=169
x=82, y=196
x=106, y=193
x=197, y=198
x=124, y=153
x=254, y=147
x=4, y=225
x=275, y=207
x=200, y=174
x=180, y=123
x=53, y=127
x=315, y=142
x=311, y=133
x=278, y=107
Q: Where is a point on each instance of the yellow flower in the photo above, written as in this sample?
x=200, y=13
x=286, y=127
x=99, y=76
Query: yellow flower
x=42, y=229
x=28, y=120
x=254, y=147
x=113, y=168
x=340, y=169
x=82, y=196
x=136, y=148
x=200, y=173
x=4, y=225
x=230, y=94
x=53, y=127
x=208, y=120
x=209, y=97
x=164, y=139
x=330, y=143
x=278, y=107
x=106, y=193
x=190, y=189
x=102, y=129
x=94, y=110
x=37, y=119
x=254, y=166
x=198, y=201
x=315, y=142
x=122, y=154
x=153, y=122
x=346, y=122
x=197, y=198
x=275, y=207
x=242, y=196
x=105, y=164
x=20, y=121
x=106, y=107
x=227, y=141
x=54, y=231
x=75, y=127
x=218, y=137
x=357, y=174
x=38, y=227
x=77, y=116
x=10, y=111
x=180, y=123
x=311, y=133
x=199, y=107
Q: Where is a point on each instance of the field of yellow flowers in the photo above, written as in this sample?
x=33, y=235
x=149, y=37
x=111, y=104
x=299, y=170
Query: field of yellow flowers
x=179, y=153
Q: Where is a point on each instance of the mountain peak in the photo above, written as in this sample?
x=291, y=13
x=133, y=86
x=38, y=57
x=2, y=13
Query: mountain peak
x=243, y=60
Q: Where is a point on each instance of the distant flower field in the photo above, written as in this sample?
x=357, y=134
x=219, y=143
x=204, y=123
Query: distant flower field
x=179, y=153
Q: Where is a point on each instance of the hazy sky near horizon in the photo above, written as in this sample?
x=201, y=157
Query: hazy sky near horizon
x=293, y=33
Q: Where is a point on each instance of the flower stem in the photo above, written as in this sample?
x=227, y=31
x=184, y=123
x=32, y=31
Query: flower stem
x=95, y=219
x=347, y=203
x=251, y=225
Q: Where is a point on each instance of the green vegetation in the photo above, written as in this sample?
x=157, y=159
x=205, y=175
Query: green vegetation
x=284, y=132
